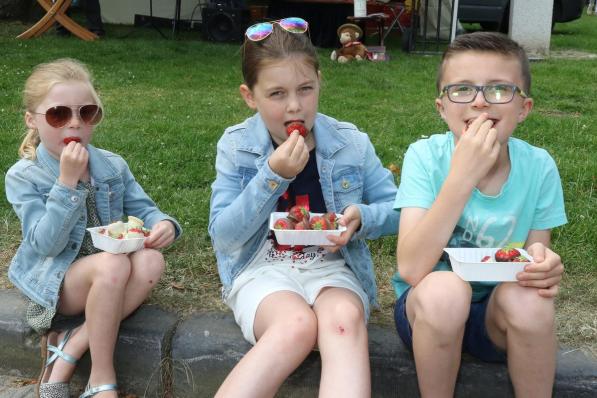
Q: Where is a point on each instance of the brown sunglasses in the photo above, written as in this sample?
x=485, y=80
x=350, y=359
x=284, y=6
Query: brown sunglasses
x=58, y=116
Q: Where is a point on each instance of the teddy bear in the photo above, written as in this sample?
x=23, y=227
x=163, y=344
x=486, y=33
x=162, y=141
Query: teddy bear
x=352, y=48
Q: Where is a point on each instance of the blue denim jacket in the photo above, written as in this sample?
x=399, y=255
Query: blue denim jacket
x=53, y=216
x=246, y=191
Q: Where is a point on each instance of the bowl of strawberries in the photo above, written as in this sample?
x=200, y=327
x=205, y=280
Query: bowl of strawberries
x=300, y=227
x=488, y=264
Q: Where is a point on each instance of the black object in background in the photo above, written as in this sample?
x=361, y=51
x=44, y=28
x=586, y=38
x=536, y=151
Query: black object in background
x=224, y=21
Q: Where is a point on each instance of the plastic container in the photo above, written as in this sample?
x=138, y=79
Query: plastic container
x=466, y=262
x=306, y=237
x=112, y=245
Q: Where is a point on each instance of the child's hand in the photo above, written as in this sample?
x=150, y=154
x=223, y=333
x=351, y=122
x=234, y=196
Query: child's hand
x=73, y=164
x=476, y=151
x=544, y=273
x=162, y=234
x=291, y=157
x=351, y=219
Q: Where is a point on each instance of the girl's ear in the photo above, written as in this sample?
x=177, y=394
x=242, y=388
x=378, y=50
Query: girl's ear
x=30, y=120
x=527, y=105
x=247, y=95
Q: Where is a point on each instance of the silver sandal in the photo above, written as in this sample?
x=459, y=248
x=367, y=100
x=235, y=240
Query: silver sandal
x=59, y=389
x=91, y=391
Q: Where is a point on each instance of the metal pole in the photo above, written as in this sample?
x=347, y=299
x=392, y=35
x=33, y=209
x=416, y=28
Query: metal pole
x=454, y=20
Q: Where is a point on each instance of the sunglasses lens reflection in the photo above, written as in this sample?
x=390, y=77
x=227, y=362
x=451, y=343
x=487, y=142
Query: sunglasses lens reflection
x=90, y=114
x=58, y=116
x=294, y=25
x=259, y=31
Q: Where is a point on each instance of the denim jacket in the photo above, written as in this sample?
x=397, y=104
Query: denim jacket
x=53, y=216
x=246, y=191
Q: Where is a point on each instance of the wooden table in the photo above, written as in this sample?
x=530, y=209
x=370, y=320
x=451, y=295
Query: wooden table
x=55, y=12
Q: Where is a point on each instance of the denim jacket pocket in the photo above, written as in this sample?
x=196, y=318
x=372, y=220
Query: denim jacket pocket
x=348, y=187
x=116, y=200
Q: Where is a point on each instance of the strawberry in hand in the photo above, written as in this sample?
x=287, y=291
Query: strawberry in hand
x=68, y=140
x=296, y=126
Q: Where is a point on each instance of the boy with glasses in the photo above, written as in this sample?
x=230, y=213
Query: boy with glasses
x=476, y=186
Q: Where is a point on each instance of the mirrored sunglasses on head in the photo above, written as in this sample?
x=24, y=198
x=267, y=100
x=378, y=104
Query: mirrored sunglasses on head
x=59, y=116
x=262, y=30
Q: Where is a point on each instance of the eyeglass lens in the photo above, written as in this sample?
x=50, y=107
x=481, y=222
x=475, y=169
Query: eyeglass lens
x=497, y=94
x=59, y=116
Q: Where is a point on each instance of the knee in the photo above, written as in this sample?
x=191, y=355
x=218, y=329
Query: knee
x=346, y=318
x=112, y=270
x=149, y=264
x=298, y=330
x=525, y=310
x=442, y=301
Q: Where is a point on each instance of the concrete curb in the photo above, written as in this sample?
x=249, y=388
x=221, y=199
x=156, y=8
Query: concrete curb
x=159, y=354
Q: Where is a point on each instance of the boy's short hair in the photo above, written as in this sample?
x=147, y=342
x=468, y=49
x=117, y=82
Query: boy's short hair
x=491, y=42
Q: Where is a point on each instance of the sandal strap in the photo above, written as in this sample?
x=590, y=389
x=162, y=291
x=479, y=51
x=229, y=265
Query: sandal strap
x=91, y=391
x=59, y=353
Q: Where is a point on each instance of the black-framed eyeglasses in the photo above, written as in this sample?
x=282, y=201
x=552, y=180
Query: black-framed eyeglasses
x=262, y=30
x=493, y=93
x=58, y=116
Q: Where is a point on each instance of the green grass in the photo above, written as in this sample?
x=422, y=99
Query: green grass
x=168, y=101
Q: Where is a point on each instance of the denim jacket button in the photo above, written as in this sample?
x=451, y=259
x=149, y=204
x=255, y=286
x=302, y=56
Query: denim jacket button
x=345, y=184
x=74, y=199
x=74, y=246
x=272, y=184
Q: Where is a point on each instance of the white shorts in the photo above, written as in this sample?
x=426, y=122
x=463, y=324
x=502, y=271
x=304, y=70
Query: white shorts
x=260, y=279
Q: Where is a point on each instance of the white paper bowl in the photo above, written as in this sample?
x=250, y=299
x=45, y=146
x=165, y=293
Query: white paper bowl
x=306, y=237
x=112, y=245
x=466, y=262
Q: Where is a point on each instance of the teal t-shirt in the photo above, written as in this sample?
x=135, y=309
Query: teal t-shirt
x=530, y=199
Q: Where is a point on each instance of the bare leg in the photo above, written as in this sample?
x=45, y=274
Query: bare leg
x=343, y=344
x=523, y=323
x=286, y=332
x=104, y=285
x=437, y=309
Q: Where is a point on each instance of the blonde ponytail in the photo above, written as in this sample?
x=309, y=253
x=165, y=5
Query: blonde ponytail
x=29, y=144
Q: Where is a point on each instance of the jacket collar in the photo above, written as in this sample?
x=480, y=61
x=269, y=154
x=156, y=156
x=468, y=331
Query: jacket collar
x=99, y=167
x=256, y=139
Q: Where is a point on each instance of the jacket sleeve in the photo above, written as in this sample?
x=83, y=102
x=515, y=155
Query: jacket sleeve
x=46, y=221
x=378, y=217
x=237, y=212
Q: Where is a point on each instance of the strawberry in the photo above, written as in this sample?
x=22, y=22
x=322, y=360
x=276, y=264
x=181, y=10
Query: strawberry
x=283, y=223
x=319, y=223
x=298, y=213
x=506, y=254
x=303, y=225
x=296, y=126
x=67, y=140
x=485, y=259
x=332, y=219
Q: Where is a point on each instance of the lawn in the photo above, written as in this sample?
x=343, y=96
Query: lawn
x=168, y=101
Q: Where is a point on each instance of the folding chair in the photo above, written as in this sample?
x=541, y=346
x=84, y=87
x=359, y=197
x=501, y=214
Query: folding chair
x=55, y=12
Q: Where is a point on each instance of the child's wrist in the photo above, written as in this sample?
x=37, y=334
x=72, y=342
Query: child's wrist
x=68, y=182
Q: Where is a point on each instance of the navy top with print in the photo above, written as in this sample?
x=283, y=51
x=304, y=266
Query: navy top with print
x=305, y=189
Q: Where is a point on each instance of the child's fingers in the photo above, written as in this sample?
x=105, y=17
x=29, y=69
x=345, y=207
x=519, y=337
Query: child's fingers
x=550, y=292
x=543, y=283
x=474, y=127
